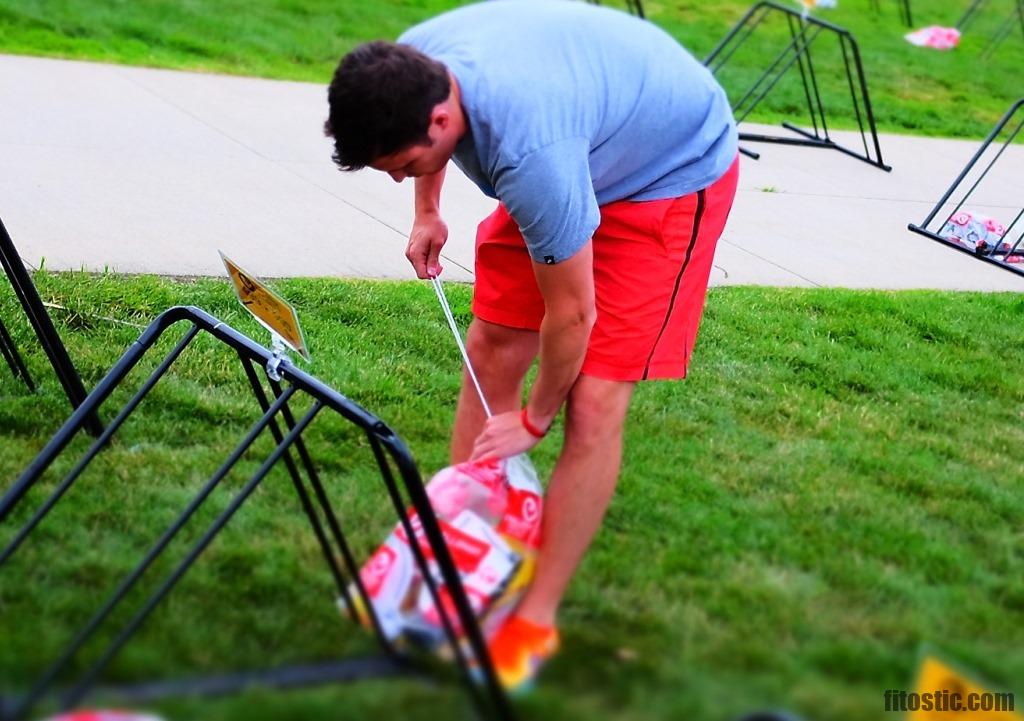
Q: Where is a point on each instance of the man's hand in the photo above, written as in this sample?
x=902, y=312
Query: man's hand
x=503, y=436
x=428, y=236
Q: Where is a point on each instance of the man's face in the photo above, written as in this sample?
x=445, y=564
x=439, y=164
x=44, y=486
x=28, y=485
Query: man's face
x=412, y=162
x=421, y=159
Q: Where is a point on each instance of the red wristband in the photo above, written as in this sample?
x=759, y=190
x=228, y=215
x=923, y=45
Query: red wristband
x=530, y=428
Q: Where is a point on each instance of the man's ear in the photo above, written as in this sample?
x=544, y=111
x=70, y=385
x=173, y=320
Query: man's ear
x=441, y=117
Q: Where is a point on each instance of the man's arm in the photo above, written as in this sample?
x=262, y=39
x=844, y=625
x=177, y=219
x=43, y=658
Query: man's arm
x=569, y=315
x=429, y=232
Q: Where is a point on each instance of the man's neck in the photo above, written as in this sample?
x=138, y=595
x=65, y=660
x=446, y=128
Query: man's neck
x=458, y=112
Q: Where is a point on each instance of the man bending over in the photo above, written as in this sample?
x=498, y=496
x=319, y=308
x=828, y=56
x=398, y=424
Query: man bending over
x=612, y=153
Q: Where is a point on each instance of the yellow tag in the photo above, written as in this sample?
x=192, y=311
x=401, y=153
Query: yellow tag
x=272, y=311
x=947, y=690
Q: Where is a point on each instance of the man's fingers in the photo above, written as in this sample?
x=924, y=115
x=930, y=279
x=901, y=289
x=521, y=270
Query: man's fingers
x=433, y=263
x=481, y=448
x=418, y=258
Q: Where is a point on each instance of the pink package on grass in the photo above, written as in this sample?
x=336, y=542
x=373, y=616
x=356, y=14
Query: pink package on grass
x=934, y=36
x=490, y=517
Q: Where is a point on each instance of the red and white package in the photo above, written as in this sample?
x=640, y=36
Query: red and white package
x=484, y=576
x=389, y=579
x=490, y=518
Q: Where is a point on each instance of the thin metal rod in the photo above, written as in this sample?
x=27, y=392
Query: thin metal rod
x=971, y=11
x=13, y=358
x=339, y=536
x=300, y=487
x=974, y=159
x=853, y=95
x=1010, y=227
x=79, y=690
x=97, y=445
x=833, y=145
x=288, y=677
x=420, y=559
x=803, y=73
x=80, y=417
x=741, y=26
x=771, y=72
x=781, y=73
x=48, y=337
x=814, y=85
x=987, y=169
x=736, y=29
x=1015, y=249
x=868, y=111
x=450, y=577
x=132, y=578
x=1017, y=268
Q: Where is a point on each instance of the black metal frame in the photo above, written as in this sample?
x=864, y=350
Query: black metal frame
x=14, y=360
x=803, y=32
x=285, y=381
x=905, y=14
x=926, y=227
x=1006, y=28
x=48, y=337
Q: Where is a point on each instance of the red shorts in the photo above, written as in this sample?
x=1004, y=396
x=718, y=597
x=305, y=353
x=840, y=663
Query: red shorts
x=652, y=261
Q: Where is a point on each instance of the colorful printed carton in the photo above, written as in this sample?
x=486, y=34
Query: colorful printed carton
x=490, y=518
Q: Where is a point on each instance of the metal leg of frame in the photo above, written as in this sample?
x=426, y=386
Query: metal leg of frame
x=1006, y=29
x=96, y=447
x=798, y=52
x=336, y=530
x=129, y=581
x=794, y=34
x=48, y=337
x=78, y=692
x=970, y=14
x=997, y=255
x=14, y=361
x=450, y=576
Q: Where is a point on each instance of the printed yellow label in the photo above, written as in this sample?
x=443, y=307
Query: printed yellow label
x=272, y=311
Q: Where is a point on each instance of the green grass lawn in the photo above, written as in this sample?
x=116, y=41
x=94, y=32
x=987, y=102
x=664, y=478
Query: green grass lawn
x=913, y=90
x=837, y=485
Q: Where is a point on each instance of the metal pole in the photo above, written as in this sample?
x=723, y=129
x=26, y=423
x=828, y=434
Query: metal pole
x=970, y=165
x=43, y=327
x=13, y=357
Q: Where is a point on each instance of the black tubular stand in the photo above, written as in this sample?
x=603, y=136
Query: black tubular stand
x=1014, y=21
x=48, y=337
x=803, y=31
x=398, y=474
x=997, y=255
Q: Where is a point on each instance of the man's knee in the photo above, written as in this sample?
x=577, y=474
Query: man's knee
x=596, y=411
x=497, y=351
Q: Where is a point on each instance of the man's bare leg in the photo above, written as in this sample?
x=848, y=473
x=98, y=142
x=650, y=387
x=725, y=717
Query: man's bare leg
x=580, y=490
x=500, y=356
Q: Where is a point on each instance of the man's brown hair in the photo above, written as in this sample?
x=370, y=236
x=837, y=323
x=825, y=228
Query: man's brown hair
x=380, y=101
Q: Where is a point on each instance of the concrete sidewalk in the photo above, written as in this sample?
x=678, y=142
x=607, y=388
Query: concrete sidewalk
x=153, y=171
